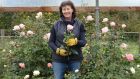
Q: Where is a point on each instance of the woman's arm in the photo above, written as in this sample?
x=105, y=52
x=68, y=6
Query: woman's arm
x=82, y=41
x=52, y=40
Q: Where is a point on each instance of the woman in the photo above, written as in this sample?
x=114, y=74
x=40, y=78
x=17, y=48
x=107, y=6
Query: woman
x=63, y=61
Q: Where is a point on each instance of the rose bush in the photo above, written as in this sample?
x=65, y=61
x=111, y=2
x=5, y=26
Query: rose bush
x=31, y=53
x=106, y=56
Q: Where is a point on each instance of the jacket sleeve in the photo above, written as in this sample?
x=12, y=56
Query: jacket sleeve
x=82, y=41
x=52, y=39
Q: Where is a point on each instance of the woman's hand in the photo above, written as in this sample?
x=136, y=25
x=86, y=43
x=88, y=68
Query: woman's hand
x=61, y=52
x=72, y=42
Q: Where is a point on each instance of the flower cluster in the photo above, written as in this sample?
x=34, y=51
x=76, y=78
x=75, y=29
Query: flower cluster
x=70, y=40
x=31, y=47
x=21, y=30
x=19, y=27
x=35, y=72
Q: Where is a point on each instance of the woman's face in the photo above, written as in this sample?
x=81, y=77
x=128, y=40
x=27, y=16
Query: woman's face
x=67, y=11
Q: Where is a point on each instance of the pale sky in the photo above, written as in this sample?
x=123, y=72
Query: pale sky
x=38, y=3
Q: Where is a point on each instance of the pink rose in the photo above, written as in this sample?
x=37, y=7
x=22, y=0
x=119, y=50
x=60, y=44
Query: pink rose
x=21, y=65
x=129, y=57
x=105, y=29
x=49, y=65
x=69, y=27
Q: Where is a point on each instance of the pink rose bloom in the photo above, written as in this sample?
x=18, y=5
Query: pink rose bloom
x=129, y=57
x=105, y=29
x=21, y=65
x=49, y=65
x=69, y=27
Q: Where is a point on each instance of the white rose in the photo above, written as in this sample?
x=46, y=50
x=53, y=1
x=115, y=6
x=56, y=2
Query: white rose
x=84, y=17
x=10, y=51
x=47, y=36
x=132, y=70
x=138, y=66
x=124, y=46
x=22, y=33
x=22, y=26
x=77, y=70
x=89, y=18
x=105, y=29
x=36, y=73
x=16, y=28
x=123, y=25
x=30, y=32
x=105, y=20
x=4, y=65
x=127, y=72
x=69, y=27
x=26, y=76
x=39, y=15
x=12, y=43
x=112, y=24
x=3, y=50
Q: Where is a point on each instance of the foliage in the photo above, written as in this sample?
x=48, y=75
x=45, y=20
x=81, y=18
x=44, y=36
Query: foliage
x=106, y=59
x=31, y=47
x=131, y=18
x=103, y=57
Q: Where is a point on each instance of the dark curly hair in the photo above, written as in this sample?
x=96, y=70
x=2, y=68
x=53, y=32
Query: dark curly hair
x=64, y=3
